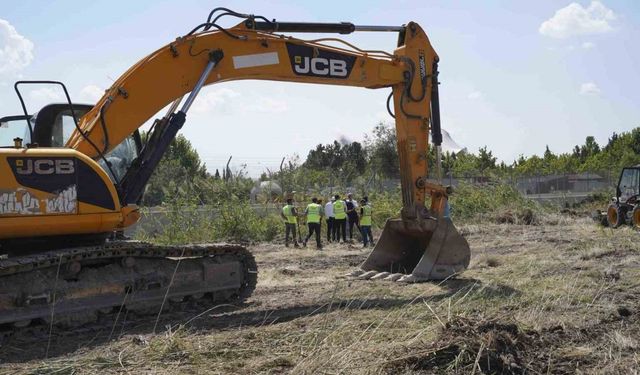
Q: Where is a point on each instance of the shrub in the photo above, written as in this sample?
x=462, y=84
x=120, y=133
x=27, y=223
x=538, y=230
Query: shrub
x=473, y=202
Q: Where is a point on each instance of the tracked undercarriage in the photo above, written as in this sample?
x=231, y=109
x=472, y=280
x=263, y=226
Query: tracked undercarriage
x=71, y=287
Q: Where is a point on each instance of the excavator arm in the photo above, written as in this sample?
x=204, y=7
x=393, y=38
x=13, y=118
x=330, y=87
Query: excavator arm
x=251, y=50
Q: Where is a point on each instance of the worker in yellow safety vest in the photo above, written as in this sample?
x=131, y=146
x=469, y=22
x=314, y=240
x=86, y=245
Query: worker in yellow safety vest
x=314, y=213
x=289, y=215
x=340, y=214
x=365, y=222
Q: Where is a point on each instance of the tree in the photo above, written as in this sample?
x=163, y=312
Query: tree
x=485, y=161
x=325, y=156
x=179, y=169
x=587, y=150
x=635, y=140
x=355, y=154
x=382, y=152
x=465, y=164
x=347, y=160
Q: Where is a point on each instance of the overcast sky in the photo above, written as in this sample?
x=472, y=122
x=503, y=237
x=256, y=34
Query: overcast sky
x=516, y=75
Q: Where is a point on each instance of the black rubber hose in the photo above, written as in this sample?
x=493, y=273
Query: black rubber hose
x=389, y=106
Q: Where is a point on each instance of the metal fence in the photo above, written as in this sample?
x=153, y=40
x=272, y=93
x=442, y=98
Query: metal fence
x=555, y=188
x=586, y=182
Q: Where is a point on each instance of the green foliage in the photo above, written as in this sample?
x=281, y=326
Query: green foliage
x=385, y=205
x=381, y=148
x=472, y=201
x=621, y=150
x=346, y=160
x=238, y=221
x=179, y=169
x=183, y=221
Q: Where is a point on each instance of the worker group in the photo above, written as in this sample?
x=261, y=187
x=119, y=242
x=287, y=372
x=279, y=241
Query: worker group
x=339, y=216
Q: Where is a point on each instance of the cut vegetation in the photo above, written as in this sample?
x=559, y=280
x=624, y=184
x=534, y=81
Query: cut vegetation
x=558, y=297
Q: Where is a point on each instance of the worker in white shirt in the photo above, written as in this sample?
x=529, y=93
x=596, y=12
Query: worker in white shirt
x=328, y=211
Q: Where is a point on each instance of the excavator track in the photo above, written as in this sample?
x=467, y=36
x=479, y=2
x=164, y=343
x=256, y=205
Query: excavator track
x=71, y=287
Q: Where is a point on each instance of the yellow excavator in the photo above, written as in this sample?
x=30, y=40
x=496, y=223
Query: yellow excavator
x=72, y=175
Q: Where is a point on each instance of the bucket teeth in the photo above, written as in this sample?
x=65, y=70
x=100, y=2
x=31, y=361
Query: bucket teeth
x=411, y=279
x=381, y=275
x=367, y=275
x=355, y=273
x=394, y=277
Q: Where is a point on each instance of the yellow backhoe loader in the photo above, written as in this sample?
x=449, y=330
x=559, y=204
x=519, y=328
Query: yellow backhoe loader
x=75, y=174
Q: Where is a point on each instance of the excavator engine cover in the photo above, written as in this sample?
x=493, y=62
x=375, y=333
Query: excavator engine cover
x=414, y=251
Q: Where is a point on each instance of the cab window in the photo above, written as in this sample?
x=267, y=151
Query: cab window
x=120, y=159
x=11, y=129
x=63, y=127
x=630, y=182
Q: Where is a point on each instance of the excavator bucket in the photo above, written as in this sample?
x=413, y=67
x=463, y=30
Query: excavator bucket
x=411, y=251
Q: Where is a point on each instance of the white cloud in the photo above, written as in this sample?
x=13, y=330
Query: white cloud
x=91, y=93
x=574, y=19
x=587, y=45
x=226, y=100
x=46, y=94
x=589, y=88
x=269, y=105
x=38, y=98
x=16, y=51
x=211, y=100
x=475, y=95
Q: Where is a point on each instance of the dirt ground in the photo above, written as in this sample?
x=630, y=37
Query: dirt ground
x=558, y=297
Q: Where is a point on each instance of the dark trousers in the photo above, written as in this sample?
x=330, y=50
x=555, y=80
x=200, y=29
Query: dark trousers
x=367, y=237
x=353, y=220
x=331, y=232
x=314, y=228
x=290, y=228
x=341, y=228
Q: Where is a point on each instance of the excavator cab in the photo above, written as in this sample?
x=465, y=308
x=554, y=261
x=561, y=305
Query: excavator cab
x=52, y=126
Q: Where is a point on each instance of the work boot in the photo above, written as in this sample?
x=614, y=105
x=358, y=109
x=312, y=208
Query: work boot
x=304, y=244
x=286, y=245
x=296, y=245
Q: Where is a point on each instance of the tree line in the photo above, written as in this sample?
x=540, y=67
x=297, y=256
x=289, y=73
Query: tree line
x=344, y=163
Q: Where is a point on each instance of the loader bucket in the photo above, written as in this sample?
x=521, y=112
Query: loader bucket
x=428, y=250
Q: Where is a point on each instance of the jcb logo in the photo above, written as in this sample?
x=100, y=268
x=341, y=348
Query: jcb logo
x=45, y=166
x=317, y=62
x=321, y=66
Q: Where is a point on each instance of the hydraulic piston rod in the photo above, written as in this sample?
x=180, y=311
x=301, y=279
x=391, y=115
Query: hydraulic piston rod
x=136, y=179
x=315, y=27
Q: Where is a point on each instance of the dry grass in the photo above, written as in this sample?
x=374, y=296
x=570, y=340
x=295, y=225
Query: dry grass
x=542, y=288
